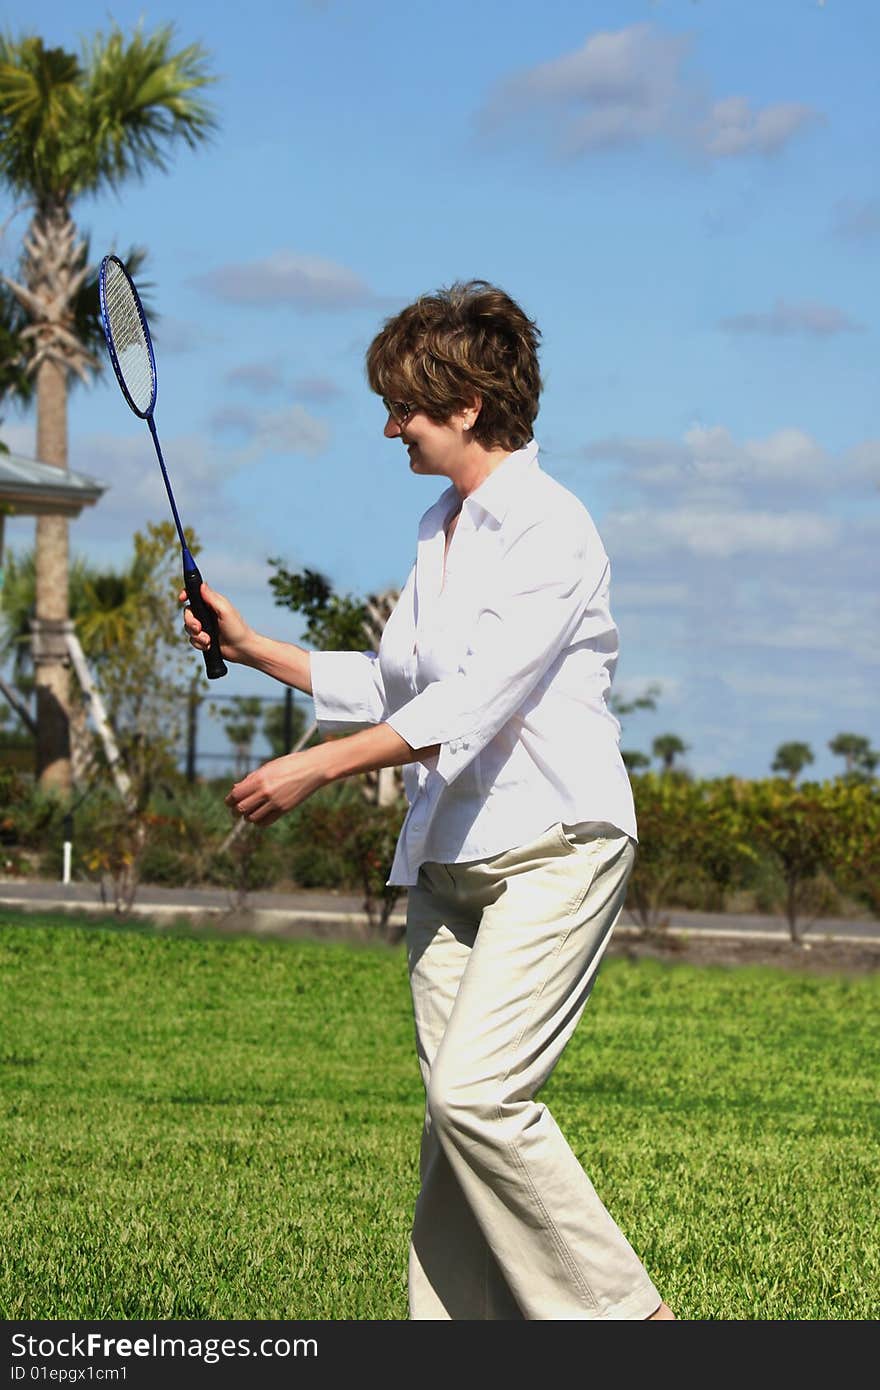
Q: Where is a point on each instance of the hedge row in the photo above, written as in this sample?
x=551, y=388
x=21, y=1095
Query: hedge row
x=800, y=850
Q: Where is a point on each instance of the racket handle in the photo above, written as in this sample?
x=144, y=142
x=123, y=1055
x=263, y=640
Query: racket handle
x=214, y=664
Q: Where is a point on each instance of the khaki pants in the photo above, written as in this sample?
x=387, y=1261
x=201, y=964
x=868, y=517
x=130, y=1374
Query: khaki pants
x=503, y=953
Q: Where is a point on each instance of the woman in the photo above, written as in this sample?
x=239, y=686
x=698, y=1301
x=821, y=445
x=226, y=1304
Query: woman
x=490, y=688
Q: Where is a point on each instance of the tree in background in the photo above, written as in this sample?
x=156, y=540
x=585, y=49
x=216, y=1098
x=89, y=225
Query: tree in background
x=10, y=738
x=103, y=609
x=852, y=851
x=792, y=758
x=103, y=604
x=275, y=727
x=16, y=383
x=634, y=761
x=794, y=827
x=334, y=622
x=145, y=680
x=69, y=127
x=859, y=756
x=666, y=747
x=687, y=831
x=240, y=721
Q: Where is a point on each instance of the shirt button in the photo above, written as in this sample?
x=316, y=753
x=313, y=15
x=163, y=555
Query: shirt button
x=453, y=745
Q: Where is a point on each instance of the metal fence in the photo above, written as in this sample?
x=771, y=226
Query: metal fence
x=232, y=734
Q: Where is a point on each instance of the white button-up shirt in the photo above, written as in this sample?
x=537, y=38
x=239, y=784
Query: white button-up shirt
x=504, y=657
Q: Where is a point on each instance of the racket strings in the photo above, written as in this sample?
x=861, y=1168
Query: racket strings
x=129, y=339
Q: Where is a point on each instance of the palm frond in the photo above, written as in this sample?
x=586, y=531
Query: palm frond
x=41, y=106
x=15, y=382
x=141, y=99
x=72, y=125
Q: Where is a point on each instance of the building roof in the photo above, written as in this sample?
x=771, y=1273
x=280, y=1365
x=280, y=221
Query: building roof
x=28, y=488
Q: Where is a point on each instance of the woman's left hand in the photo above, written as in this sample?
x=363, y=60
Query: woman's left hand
x=276, y=787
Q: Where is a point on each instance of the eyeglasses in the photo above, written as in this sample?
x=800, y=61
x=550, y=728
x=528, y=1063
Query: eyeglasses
x=400, y=411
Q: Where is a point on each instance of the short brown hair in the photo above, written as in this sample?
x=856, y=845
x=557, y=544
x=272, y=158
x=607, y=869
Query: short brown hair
x=470, y=339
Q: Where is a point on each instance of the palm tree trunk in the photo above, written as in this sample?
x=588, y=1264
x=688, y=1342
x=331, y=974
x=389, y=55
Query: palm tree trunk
x=51, y=663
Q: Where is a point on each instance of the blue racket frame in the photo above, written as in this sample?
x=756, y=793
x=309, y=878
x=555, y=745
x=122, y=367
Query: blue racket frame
x=108, y=334
x=192, y=579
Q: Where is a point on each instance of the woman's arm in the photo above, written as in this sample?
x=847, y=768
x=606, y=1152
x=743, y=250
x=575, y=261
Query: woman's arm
x=240, y=643
x=284, y=661
x=347, y=687
x=278, y=786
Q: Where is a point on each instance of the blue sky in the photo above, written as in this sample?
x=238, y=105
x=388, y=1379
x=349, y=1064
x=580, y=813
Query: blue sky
x=684, y=195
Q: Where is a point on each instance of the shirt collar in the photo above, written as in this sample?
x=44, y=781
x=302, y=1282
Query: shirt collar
x=495, y=493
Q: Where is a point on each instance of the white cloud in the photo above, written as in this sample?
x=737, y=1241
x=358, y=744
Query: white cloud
x=703, y=532
x=619, y=88
x=630, y=687
x=640, y=452
x=709, y=461
x=733, y=127
x=789, y=455
x=234, y=419
x=847, y=689
x=862, y=462
x=260, y=378
x=241, y=572
x=660, y=595
x=628, y=87
x=176, y=336
x=135, y=490
x=288, y=279
x=317, y=388
x=807, y=618
x=810, y=319
x=198, y=470
x=290, y=431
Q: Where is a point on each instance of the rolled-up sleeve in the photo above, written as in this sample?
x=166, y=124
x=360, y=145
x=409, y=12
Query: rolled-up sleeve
x=348, y=691
x=543, y=588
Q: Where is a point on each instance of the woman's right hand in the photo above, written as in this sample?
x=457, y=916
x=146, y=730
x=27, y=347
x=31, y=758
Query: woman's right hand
x=235, y=634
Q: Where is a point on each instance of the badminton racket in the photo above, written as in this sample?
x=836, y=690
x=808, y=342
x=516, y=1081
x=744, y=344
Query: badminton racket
x=131, y=352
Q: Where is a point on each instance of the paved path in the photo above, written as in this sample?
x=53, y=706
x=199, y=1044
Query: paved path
x=305, y=906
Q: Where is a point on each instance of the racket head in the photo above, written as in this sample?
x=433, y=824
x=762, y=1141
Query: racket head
x=128, y=336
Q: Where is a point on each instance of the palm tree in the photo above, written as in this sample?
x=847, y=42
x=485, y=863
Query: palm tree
x=665, y=747
x=792, y=758
x=15, y=383
x=104, y=607
x=72, y=126
x=647, y=700
x=240, y=726
x=860, y=757
x=18, y=602
x=633, y=760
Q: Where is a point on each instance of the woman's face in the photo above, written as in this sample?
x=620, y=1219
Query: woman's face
x=433, y=448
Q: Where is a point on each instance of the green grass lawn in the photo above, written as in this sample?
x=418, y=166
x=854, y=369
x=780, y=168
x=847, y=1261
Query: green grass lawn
x=197, y=1126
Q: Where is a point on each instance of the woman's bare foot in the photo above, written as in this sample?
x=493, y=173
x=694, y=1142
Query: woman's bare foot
x=664, y=1312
